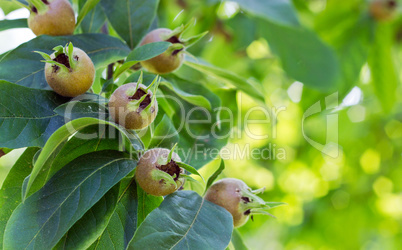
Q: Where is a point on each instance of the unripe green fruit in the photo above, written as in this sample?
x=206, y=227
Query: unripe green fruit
x=58, y=20
x=169, y=60
x=126, y=109
x=383, y=10
x=151, y=169
x=73, y=80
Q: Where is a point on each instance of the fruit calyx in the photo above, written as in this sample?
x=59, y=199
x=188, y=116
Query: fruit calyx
x=170, y=167
x=63, y=58
x=39, y=6
x=141, y=99
x=175, y=37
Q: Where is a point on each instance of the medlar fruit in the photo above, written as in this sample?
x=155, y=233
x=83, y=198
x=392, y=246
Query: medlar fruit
x=237, y=198
x=173, y=57
x=158, y=172
x=69, y=71
x=383, y=10
x=51, y=17
x=133, y=105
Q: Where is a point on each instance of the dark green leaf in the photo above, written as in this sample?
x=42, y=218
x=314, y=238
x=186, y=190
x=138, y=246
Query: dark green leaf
x=10, y=192
x=165, y=134
x=303, y=55
x=94, y=19
x=27, y=118
x=228, y=77
x=87, y=229
x=185, y=220
x=215, y=175
x=11, y=24
x=123, y=222
x=384, y=75
x=146, y=204
x=43, y=166
x=130, y=18
x=85, y=8
x=43, y=219
x=277, y=11
x=77, y=109
x=148, y=51
x=24, y=67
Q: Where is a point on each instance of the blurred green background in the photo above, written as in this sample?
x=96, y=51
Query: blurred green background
x=351, y=201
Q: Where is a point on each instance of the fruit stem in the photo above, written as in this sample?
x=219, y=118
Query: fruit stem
x=40, y=6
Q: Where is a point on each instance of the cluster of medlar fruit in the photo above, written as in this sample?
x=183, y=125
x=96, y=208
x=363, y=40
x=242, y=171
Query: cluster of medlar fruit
x=51, y=17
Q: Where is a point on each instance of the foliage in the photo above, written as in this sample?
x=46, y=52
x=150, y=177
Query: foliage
x=301, y=69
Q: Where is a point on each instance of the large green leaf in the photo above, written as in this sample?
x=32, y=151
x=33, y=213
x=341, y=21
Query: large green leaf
x=239, y=82
x=304, y=56
x=92, y=16
x=123, y=222
x=24, y=67
x=11, y=24
x=77, y=109
x=43, y=219
x=185, y=220
x=200, y=129
x=27, y=118
x=130, y=18
x=146, y=204
x=165, y=134
x=278, y=11
x=87, y=229
x=10, y=192
x=43, y=165
x=384, y=75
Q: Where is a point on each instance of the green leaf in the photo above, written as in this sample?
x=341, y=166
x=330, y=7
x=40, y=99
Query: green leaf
x=89, y=5
x=27, y=118
x=148, y=51
x=165, y=134
x=130, y=18
x=200, y=130
x=189, y=169
x=215, y=175
x=42, y=167
x=12, y=24
x=123, y=222
x=220, y=74
x=146, y=204
x=184, y=220
x=23, y=67
x=237, y=241
x=383, y=72
x=10, y=192
x=87, y=229
x=142, y=53
x=280, y=12
x=9, y=6
x=77, y=109
x=304, y=56
x=43, y=219
x=93, y=20
x=197, y=100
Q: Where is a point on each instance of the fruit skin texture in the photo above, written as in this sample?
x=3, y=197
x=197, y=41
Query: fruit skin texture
x=59, y=20
x=383, y=10
x=151, y=182
x=166, y=62
x=76, y=80
x=227, y=194
x=131, y=116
